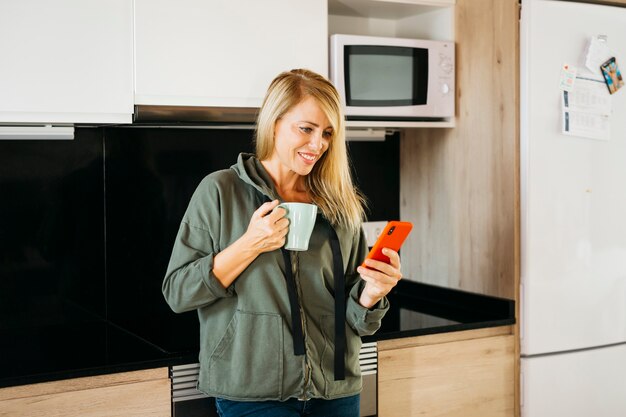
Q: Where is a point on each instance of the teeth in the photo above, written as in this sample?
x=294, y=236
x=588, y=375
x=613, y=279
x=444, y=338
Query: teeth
x=308, y=157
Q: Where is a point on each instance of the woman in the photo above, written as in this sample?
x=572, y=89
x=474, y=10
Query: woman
x=279, y=330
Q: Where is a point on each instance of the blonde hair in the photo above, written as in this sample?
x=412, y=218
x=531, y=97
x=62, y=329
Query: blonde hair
x=329, y=183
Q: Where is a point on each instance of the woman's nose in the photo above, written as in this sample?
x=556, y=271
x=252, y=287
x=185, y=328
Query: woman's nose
x=316, y=142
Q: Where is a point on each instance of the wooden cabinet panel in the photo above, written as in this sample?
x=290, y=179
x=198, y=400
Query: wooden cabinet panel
x=131, y=394
x=463, y=378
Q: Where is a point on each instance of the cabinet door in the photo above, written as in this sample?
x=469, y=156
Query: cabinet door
x=66, y=61
x=465, y=378
x=223, y=52
x=128, y=394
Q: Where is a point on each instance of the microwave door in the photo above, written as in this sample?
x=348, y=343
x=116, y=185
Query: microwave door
x=379, y=77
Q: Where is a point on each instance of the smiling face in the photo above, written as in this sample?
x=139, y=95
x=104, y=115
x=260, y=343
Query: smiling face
x=301, y=137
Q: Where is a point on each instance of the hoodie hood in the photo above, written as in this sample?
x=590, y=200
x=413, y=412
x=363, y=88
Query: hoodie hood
x=252, y=172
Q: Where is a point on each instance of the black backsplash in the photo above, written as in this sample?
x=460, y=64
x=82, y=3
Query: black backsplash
x=150, y=177
x=87, y=226
x=51, y=232
x=376, y=172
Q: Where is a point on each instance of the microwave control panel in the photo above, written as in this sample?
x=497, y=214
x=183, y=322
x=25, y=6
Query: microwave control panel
x=446, y=71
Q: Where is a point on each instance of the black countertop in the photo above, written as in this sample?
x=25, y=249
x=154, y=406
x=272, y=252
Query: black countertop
x=418, y=309
x=47, y=353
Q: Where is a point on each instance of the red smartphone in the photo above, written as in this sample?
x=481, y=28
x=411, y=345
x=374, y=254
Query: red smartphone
x=392, y=237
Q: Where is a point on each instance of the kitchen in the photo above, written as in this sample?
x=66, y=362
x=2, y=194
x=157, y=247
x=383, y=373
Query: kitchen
x=457, y=183
x=167, y=57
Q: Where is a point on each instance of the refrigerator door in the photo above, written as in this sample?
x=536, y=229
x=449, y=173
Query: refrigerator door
x=573, y=189
x=576, y=384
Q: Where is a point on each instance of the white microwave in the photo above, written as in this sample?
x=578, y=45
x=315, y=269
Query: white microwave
x=392, y=78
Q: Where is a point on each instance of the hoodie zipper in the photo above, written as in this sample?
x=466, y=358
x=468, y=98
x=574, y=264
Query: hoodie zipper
x=305, y=362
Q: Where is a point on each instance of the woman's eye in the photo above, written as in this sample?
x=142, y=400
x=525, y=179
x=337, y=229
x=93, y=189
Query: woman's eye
x=306, y=129
x=328, y=134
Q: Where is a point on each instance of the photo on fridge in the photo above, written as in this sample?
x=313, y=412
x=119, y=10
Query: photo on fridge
x=612, y=75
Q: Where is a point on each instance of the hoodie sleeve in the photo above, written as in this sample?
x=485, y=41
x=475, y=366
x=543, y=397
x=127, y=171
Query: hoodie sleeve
x=189, y=281
x=363, y=321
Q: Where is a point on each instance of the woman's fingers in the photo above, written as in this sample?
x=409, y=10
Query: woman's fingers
x=383, y=267
x=276, y=214
x=283, y=225
x=265, y=208
x=391, y=269
x=379, y=277
x=268, y=227
x=394, y=258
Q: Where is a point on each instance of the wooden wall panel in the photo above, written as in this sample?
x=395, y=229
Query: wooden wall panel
x=458, y=186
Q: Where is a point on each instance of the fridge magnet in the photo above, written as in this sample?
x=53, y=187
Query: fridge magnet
x=568, y=76
x=612, y=75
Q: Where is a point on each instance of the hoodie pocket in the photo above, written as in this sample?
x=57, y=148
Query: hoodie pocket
x=248, y=360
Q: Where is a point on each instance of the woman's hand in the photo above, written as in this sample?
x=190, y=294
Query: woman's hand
x=267, y=229
x=380, y=279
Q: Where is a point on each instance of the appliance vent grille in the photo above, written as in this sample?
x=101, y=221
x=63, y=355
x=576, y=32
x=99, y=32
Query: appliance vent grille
x=368, y=358
x=184, y=381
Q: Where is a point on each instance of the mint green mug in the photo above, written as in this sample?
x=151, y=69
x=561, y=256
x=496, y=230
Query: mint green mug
x=301, y=218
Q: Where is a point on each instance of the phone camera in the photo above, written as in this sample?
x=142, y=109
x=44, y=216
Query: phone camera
x=391, y=230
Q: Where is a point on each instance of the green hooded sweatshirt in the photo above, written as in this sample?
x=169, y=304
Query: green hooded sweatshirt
x=246, y=344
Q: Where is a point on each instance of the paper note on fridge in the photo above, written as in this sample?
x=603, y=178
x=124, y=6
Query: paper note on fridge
x=598, y=51
x=588, y=95
x=586, y=125
x=568, y=77
x=586, y=110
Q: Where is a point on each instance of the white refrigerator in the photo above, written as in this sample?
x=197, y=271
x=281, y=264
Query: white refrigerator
x=573, y=213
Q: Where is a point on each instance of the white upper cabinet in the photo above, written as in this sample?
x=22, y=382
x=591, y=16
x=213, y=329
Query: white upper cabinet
x=224, y=53
x=66, y=61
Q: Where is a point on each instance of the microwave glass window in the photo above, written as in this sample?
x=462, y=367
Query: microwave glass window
x=385, y=76
x=367, y=83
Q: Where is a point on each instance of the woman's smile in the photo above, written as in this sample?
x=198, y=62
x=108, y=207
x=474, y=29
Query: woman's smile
x=309, y=158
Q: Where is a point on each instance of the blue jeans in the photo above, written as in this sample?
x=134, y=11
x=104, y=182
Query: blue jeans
x=316, y=407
